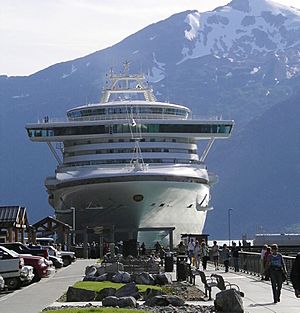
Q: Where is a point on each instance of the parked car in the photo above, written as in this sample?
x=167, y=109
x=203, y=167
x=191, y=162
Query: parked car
x=41, y=266
x=67, y=256
x=13, y=270
x=21, y=248
x=2, y=283
x=55, y=257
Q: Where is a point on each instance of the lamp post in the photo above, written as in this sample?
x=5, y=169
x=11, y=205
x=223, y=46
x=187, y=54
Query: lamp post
x=229, y=230
x=73, y=225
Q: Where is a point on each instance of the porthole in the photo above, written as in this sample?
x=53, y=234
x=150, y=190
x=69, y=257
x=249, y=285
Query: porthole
x=138, y=198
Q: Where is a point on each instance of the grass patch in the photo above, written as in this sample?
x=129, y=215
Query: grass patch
x=95, y=310
x=99, y=285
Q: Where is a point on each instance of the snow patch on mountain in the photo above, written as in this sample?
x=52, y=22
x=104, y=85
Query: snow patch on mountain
x=158, y=71
x=240, y=28
x=255, y=70
x=193, y=20
x=73, y=69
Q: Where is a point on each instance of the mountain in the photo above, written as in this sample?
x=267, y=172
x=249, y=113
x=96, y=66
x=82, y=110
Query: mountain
x=238, y=61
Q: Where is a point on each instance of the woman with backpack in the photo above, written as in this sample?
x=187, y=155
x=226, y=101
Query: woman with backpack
x=276, y=267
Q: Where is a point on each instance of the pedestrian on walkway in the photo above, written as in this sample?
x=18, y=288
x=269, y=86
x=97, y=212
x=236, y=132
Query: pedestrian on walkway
x=262, y=262
x=266, y=257
x=235, y=256
x=204, y=254
x=191, y=247
x=226, y=257
x=215, y=255
x=295, y=275
x=276, y=266
x=197, y=255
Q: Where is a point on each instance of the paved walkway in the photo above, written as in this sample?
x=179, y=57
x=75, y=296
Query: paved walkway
x=258, y=294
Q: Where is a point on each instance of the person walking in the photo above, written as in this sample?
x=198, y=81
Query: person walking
x=235, y=256
x=295, y=275
x=267, y=271
x=215, y=255
x=276, y=266
x=191, y=247
x=262, y=262
x=226, y=257
x=204, y=252
x=197, y=255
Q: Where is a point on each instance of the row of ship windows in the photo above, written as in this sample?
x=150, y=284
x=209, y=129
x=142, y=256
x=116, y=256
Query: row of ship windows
x=143, y=150
x=125, y=110
x=125, y=128
x=127, y=161
x=116, y=140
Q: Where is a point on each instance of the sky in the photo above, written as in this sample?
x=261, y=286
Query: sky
x=35, y=34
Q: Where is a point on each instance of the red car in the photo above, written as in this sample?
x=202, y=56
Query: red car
x=41, y=266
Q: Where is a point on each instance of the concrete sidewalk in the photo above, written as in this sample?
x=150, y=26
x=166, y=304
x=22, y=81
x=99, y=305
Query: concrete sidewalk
x=258, y=294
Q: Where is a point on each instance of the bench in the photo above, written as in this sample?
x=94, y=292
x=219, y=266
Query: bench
x=208, y=282
x=191, y=273
x=223, y=285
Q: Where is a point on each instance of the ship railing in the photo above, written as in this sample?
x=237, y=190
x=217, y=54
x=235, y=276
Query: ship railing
x=125, y=117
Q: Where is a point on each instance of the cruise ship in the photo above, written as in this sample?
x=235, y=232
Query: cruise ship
x=131, y=162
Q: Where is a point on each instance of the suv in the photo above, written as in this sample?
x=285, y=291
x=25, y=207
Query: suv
x=12, y=269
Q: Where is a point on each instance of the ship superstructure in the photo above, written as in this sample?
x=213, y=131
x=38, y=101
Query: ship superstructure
x=130, y=161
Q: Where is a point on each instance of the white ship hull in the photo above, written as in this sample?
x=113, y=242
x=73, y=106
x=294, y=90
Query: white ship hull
x=140, y=200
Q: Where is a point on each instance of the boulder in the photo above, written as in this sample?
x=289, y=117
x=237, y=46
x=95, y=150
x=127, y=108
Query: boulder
x=128, y=290
x=117, y=278
x=102, y=277
x=144, y=279
x=164, y=300
x=124, y=302
x=89, y=278
x=110, y=301
x=91, y=271
x=229, y=301
x=126, y=278
x=157, y=301
x=121, y=302
x=80, y=295
x=162, y=279
x=105, y=292
x=150, y=293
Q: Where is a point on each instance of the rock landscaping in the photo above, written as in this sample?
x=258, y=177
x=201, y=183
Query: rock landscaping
x=171, y=298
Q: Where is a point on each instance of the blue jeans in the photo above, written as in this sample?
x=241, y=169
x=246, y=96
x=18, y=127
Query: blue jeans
x=276, y=281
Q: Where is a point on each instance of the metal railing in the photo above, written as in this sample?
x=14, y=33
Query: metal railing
x=250, y=262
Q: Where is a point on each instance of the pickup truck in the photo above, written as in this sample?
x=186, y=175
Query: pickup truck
x=13, y=270
x=34, y=258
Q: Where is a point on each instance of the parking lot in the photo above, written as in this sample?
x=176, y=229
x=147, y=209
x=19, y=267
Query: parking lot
x=35, y=297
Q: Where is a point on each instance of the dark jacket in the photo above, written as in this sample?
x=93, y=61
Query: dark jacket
x=295, y=273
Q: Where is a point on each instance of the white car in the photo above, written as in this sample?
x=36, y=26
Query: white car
x=2, y=283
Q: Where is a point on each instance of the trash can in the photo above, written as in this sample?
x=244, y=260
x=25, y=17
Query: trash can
x=169, y=265
x=181, y=267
